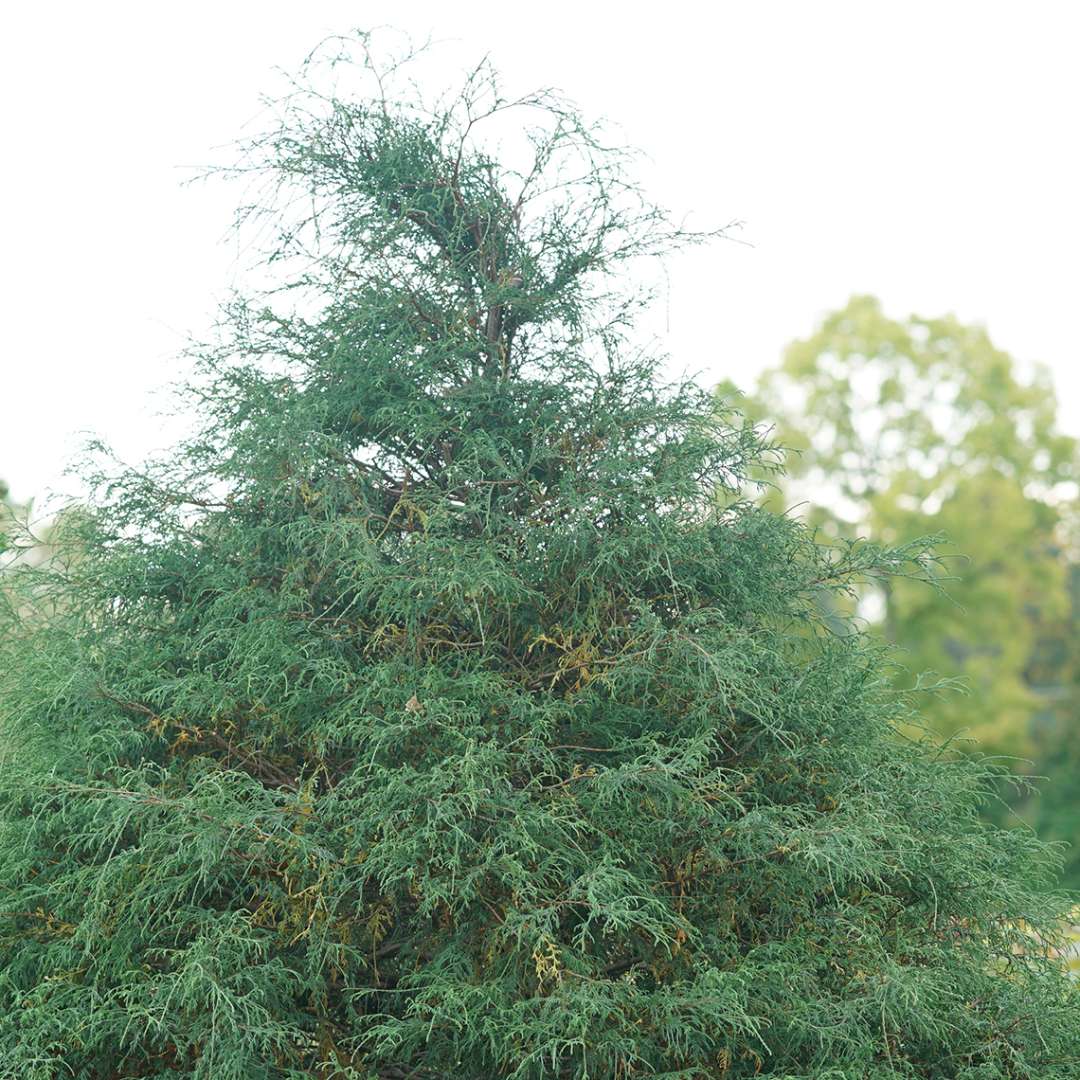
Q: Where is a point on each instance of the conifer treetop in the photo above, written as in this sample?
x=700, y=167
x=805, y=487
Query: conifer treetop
x=444, y=709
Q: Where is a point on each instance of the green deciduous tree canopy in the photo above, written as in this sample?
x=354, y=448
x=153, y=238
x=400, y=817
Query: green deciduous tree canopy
x=6, y=509
x=446, y=709
x=906, y=428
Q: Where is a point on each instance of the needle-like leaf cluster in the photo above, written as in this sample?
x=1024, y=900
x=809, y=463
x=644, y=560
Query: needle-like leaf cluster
x=443, y=711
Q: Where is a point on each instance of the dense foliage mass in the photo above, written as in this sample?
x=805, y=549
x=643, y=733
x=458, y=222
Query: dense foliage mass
x=907, y=427
x=445, y=710
x=911, y=427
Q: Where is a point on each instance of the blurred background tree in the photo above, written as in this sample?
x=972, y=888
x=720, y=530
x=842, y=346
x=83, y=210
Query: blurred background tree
x=905, y=428
x=7, y=511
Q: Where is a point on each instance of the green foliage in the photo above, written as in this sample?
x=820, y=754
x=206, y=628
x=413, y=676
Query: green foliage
x=447, y=709
x=920, y=427
x=5, y=516
x=1056, y=811
x=25, y=538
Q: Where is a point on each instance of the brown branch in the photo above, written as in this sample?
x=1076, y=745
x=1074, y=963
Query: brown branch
x=260, y=768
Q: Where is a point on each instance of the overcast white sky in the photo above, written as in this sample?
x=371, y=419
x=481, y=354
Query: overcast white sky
x=924, y=152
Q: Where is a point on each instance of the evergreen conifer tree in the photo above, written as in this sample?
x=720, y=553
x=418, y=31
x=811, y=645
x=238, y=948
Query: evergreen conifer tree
x=443, y=709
